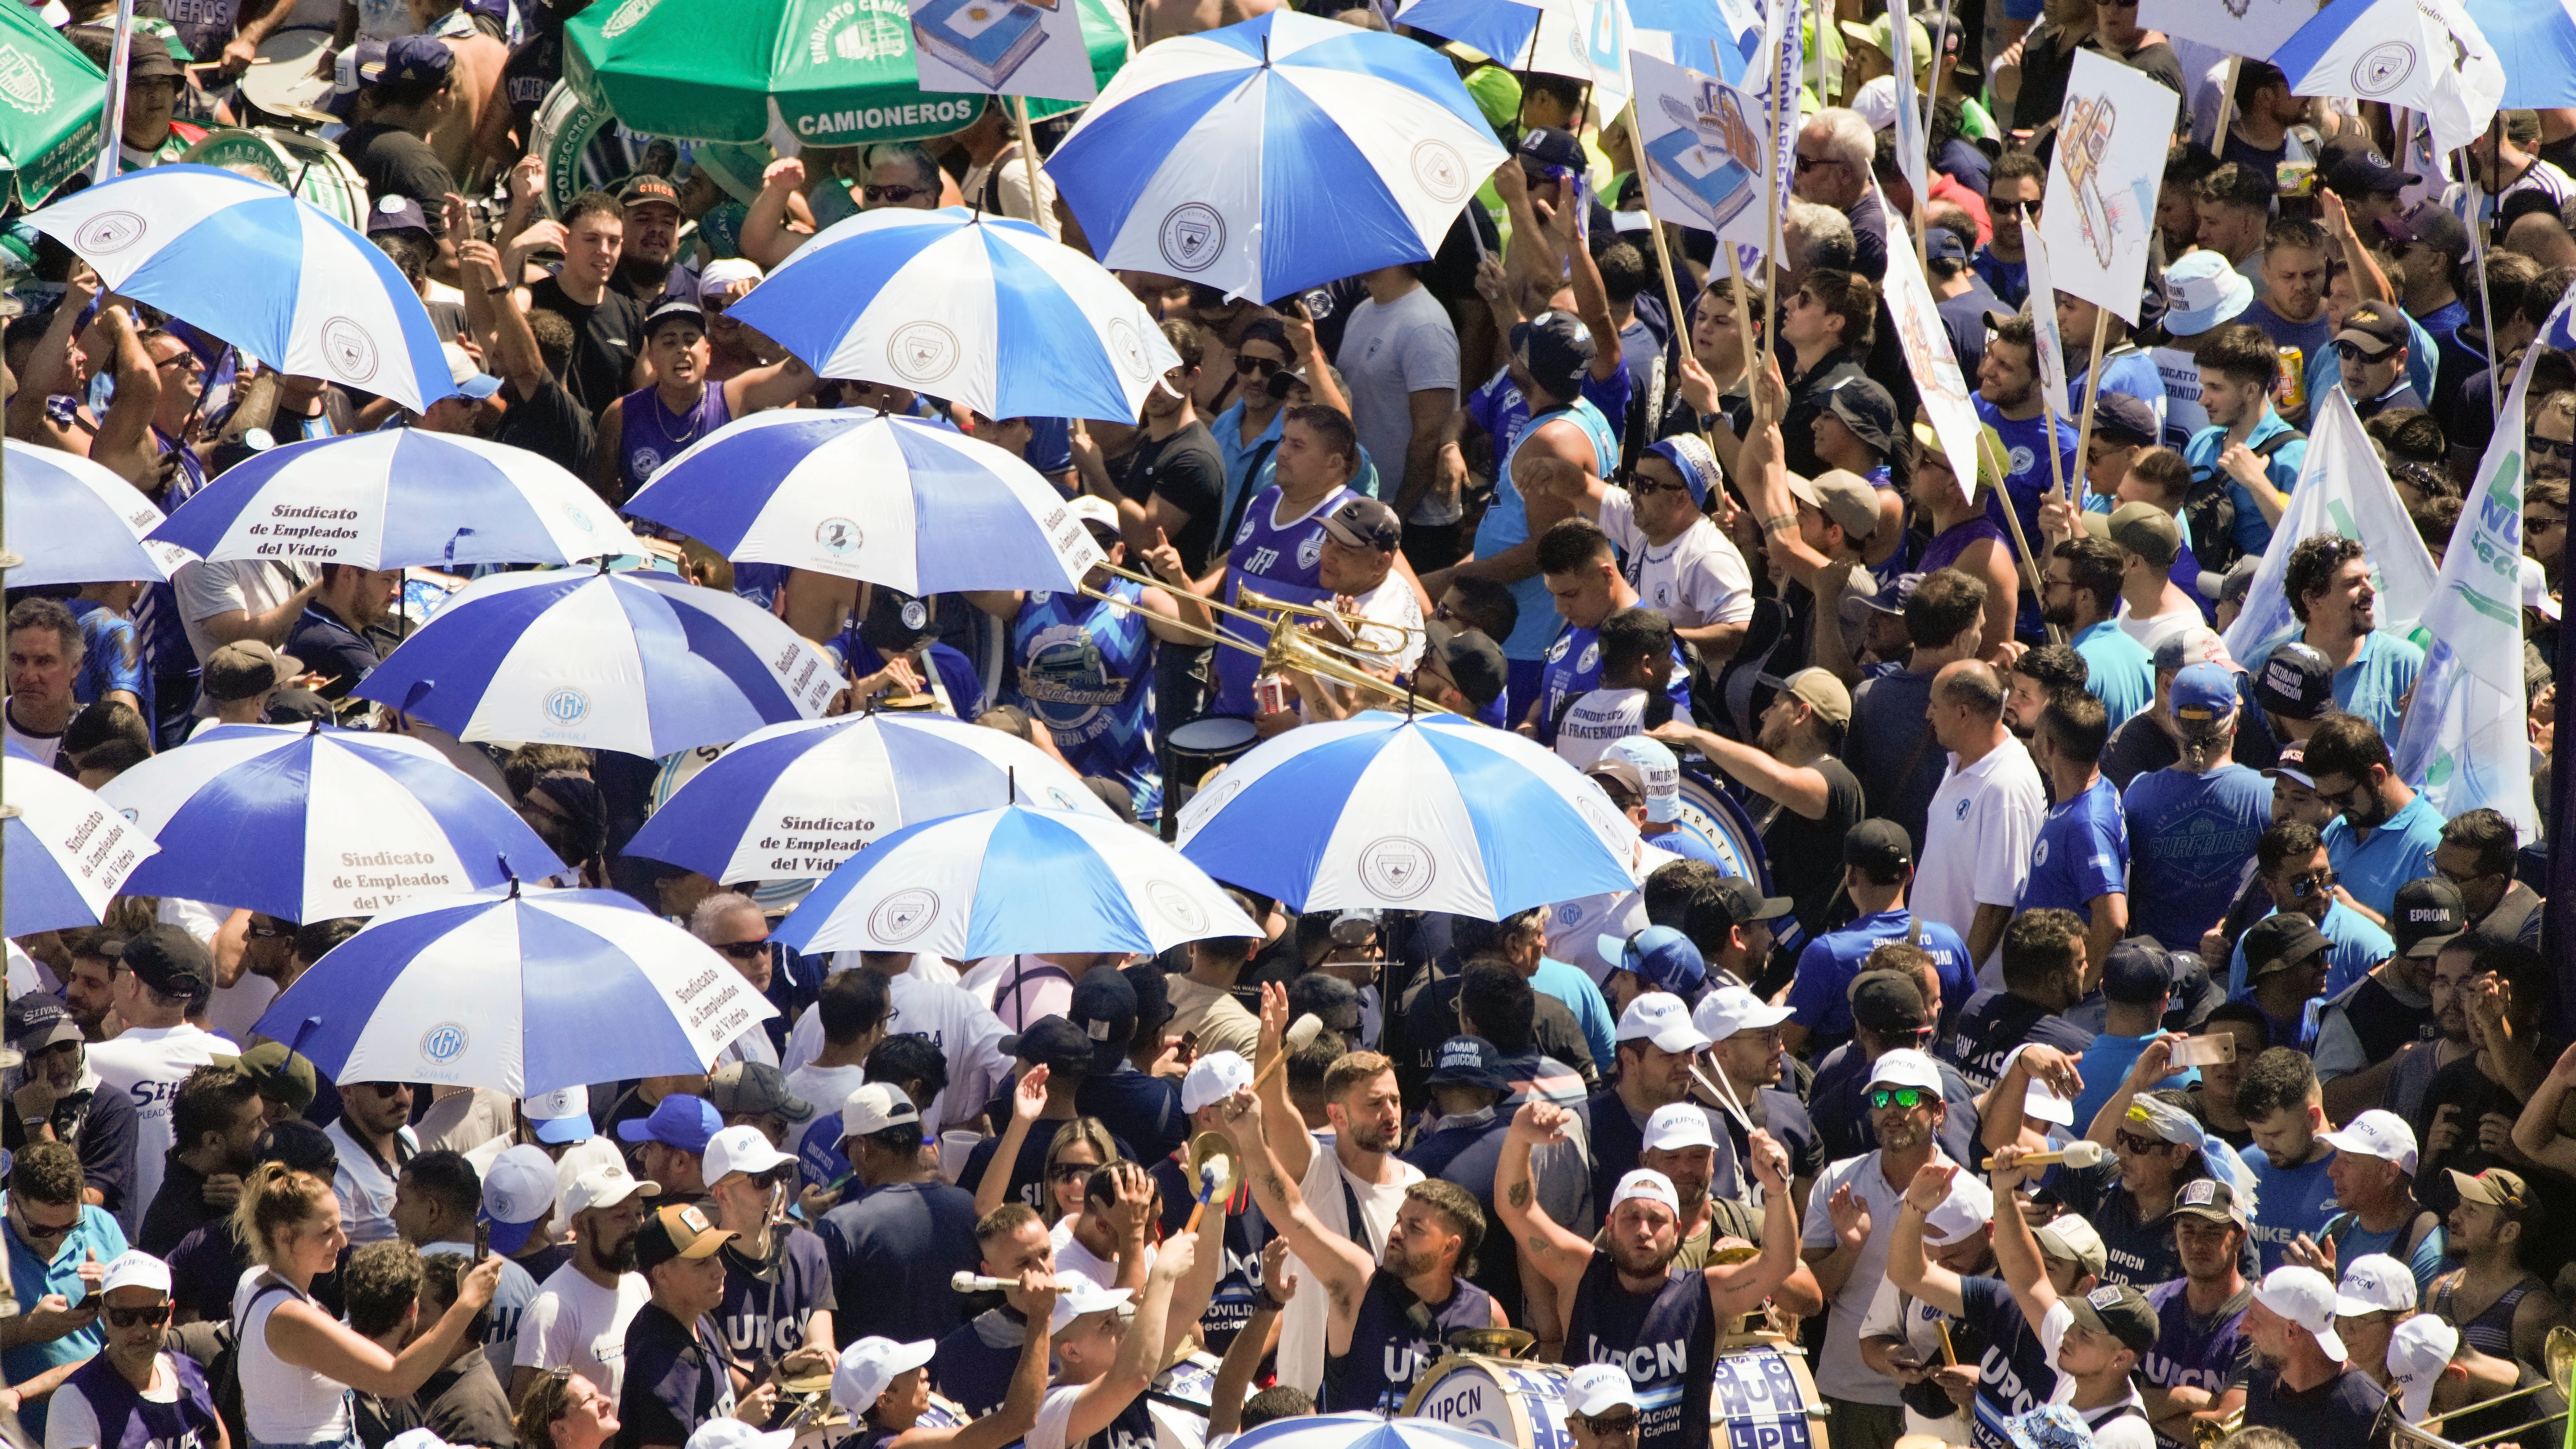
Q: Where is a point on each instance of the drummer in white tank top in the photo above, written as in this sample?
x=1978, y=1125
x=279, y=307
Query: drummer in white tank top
x=297, y=1362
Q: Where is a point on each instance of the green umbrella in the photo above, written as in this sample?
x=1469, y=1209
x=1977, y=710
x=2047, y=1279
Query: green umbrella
x=51, y=100
x=841, y=71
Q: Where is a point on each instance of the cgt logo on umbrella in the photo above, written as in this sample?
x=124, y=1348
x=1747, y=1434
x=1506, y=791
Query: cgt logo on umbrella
x=1397, y=867
x=1192, y=236
x=1438, y=167
x=904, y=915
x=349, y=350
x=444, y=1043
x=566, y=707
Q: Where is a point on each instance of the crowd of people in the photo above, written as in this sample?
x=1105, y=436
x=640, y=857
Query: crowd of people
x=2054, y=869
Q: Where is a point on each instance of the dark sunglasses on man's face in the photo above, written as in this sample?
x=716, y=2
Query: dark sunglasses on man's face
x=1247, y=364
x=745, y=950
x=2351, y=352
x=138, y=1317
x=2549, y=448
x=892, y=195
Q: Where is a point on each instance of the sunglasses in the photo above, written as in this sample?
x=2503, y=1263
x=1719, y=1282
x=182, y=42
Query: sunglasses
x=2131, y=1142
x=2351, y=352
x=1609, y=1425
x=137, y=1317
x=745, y=950
x=2311, y=884
x=1648, y=488
x=895, y=194
x=1071, y=1171
x=1810, y=163
x=1247, y=364
x=1907, y=1097
x=2548, y=448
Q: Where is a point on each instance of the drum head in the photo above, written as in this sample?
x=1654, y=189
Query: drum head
x=283, y=82
x=1518, y=1403
x=1212, y=734
x=1715, y=814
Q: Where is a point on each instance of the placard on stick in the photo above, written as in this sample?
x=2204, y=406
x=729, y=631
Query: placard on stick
x=2099, y=216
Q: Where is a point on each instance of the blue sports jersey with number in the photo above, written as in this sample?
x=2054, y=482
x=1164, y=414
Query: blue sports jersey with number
x=1087, y=673
x=1276, y=558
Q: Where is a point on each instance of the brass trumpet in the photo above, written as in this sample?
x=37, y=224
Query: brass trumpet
x=2206, y=1433
x=1294, y=647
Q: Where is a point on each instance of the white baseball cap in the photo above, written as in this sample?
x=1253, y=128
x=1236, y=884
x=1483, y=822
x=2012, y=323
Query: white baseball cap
x=1970, y=1206
x=135, y=1268
x=2417, y=1353
x=2305, y=1298
x=2379, y=1134
x=1659, y=771
x=1079, y=1295
x=1660, y=1017
x=1597, y=1388
x=1649, y=1184
x=1730, y=1009
x=1213, y=1078
x=875, y=1107
x=732, y=1433
x=2375, y=1283
x=559, y=1118
x=868, y=1366
x=605, y=1187
x=1906, y=1067
x=518, y=1191
x=743, y=1149
x=2039, y=1101
x=1677, y=1125
x=417, y=1438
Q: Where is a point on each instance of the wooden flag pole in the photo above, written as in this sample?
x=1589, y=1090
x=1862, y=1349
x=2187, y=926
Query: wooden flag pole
x=2092, y=391
x=1771, y=197
x=1029, y=158
x=1655, y=229
x=2012, y=519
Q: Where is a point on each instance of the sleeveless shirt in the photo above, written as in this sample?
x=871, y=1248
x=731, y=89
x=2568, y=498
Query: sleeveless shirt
x=1667, y=1342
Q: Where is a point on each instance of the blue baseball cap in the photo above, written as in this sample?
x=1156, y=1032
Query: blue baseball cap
x=414, y=59
x=1659, y=955
x=2204, y=694
x=679, y=1121
x=1469, y=1061
x=1690, y=457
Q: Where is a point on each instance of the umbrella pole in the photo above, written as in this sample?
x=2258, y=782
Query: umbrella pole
x=8, y=812
x=112, y=137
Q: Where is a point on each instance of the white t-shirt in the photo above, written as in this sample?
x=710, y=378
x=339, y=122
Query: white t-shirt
x=207, y=589
x=43, y=747
x=1390, y=352
x=826, y=1088
x=2155, y=629
x=1055, y=1416
x=70, y=1422
x=574, y=1323
x=1839, y=1370
x=1917, y=1325
x=1072, y=1257
x=1301, y=1329
x=1978, y=835
x=366, y=1189
x=1698, y=578
x=1597, y=720
x=1397, y=611
x=147, y=1064
x=2111, y=1428
x=966, y=1032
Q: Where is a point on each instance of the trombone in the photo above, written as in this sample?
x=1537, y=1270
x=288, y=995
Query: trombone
x=1292, y=646
x=2559, y=1356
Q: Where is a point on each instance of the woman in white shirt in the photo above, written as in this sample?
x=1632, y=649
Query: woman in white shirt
x=298, y=1363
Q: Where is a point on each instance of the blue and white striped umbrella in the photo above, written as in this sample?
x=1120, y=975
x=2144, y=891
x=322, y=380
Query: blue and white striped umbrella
x=1432, y=813
x=73, y=521
x=937, y=300
x=308, y=823
x=523, y=992
x=793, y=801
x=1014, y=879
x=1275, y=155
x=272, y=275
x=639, y=662
x=69, y=850
x=395, y=497
x=891, y=500
x=1368, y=1431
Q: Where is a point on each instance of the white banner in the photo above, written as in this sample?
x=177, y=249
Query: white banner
x=2100, y=213
x=1702, y=140
x=1936, y=369
x=2043, y=321
x=1911, y=143
x=2342, y=488
x=2236, y=27
x=1003, y=48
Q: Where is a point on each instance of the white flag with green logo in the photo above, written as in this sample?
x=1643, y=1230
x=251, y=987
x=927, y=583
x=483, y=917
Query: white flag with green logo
x=2343, y=488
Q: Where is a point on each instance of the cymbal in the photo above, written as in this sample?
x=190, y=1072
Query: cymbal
x=1495, y=1342
x=808, y=1384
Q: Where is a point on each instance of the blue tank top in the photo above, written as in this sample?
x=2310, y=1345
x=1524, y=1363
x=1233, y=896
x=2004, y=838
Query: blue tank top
x=1395, y=1338
x=652, y=435
x=1086, y=671
x=1278, y=560
x=1506, y=525
x=127, y=1420
x=1667, y=1341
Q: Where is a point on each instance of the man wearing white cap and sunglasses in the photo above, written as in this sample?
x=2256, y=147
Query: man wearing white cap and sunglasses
x=1602, y=1408
x=778, y=1300
x=1902, y=1335
x=1745, y=1055
x=2302, y=1383
x=1625, y=1302
x=578, y=1319
x=132, y=1393
x=2375, y=1297
x=884, y=1386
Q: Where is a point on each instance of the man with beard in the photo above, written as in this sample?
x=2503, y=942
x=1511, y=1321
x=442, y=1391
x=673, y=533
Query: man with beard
x=646, y=271
x=2293, y=866
x=2500, y=1307
x=1652, y=1059
x=2043, y=976
x=579, y=1317
x=58, y=1101
x=2008, y=401
x=2200, y=1335
x=2037, y=675
x=1848, y=1222
x=2302, y=1383
x=2329, y=588
x=334, y=635
x=1628, y=1303
x=2081, y=861
x=2080, y=593
x=654, y=424
x=1388, y=1317
x=2387, y=834
x=215, y=1121
x=1747, y=1050
x=1814, y=797
x=1915, y=1341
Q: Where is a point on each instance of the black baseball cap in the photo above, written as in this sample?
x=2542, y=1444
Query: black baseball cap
x=2123, y=418
x=37, y=1021
x=2120, y=1311
x=1888, y=1002
x=1366, y=523
x=2137, y=973
x=670, y=312
x=1548, y=146
x=1880, y=845
x=1866, y=409
x=678, y=1231
x=172, y=962
x=2280, y=941
x=647, y=188
x=1742, y=901
x=2297, y=681
x=2425, y=916
x=2374, y=327
x=1468, y=1061
x=1474, y=662
x=1558, y=350
x=1104, y=1008
x=2361, y=171
x=1051, y=1042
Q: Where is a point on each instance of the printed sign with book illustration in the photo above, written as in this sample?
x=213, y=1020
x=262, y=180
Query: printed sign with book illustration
x=1003, y=48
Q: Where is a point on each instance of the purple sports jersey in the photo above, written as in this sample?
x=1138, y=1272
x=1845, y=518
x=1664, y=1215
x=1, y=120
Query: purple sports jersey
x=1277, y=561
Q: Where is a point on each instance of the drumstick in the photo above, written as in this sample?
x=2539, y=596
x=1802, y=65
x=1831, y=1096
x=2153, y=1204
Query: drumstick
x=1301, y=1035
x=1949, y=1355
x=1725, y=1094
x=1209, y=1177
x=2083, y=1152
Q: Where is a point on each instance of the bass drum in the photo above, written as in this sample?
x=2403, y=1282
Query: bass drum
x=1763, y=1395
x=1513, y=1400
x=583, y=147
x=283, y=88
x=1728, y=826
x=1180, y=1400
x=309, y=166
